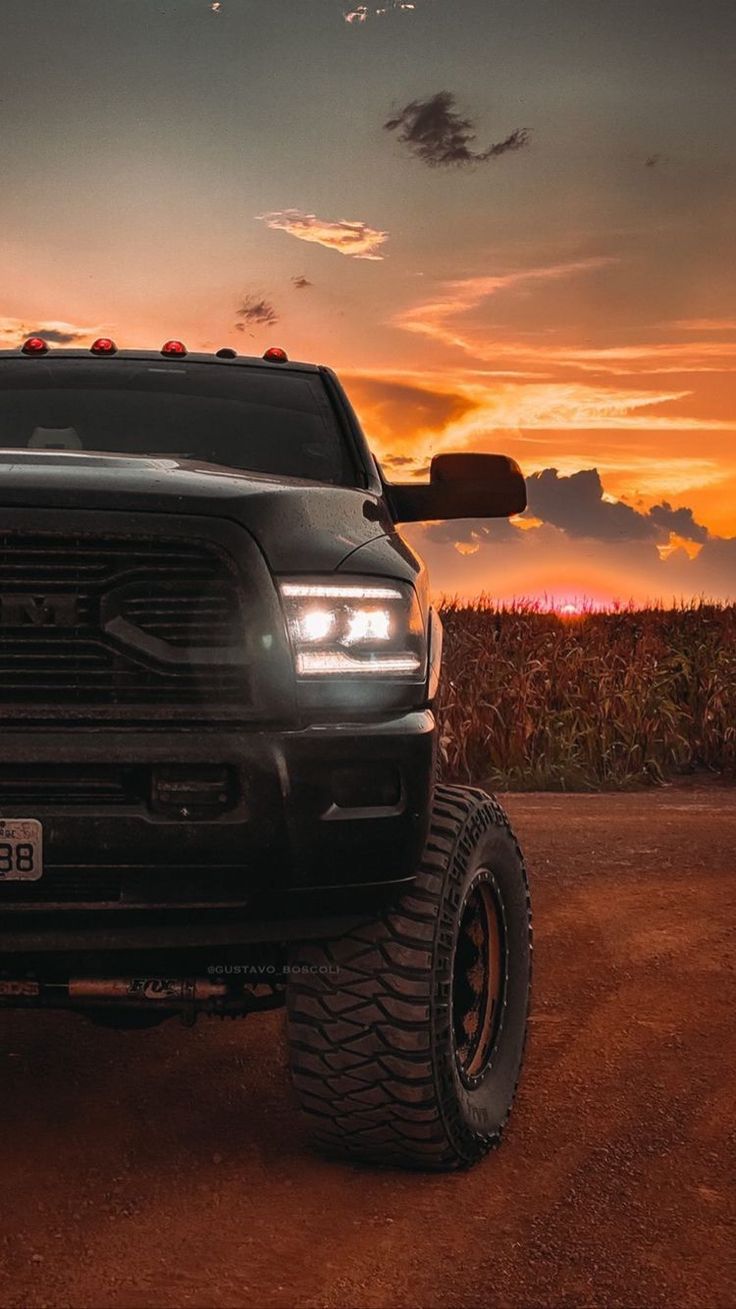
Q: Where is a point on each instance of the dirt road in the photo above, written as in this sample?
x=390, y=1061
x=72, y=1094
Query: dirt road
x=167, y=1168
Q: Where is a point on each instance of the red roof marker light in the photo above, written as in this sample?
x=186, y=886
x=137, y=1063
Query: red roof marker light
x=103, y=346
x=173, y=348
x=35, y=345
x=275, y=355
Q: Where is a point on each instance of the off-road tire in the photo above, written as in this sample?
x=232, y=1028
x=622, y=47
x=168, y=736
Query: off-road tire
x=372, y=1016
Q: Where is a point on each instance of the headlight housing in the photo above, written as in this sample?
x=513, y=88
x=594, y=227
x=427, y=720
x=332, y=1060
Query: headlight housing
x=366, y=628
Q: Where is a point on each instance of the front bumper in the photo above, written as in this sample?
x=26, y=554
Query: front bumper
x=317, y=827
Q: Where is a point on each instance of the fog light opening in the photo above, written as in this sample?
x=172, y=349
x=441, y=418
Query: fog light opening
x=377, y=786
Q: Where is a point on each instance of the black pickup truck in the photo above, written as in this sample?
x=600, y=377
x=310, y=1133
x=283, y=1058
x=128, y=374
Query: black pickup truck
x=219, y=666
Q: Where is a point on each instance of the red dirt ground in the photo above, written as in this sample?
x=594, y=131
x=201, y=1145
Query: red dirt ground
x=168, y=1168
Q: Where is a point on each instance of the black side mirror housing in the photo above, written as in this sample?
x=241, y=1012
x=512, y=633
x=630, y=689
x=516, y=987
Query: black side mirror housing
x=461, y=486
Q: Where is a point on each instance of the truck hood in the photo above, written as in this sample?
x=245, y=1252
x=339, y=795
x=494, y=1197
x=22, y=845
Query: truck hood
x=299, y=525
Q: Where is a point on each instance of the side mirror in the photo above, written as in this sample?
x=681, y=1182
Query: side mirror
x=462, y=486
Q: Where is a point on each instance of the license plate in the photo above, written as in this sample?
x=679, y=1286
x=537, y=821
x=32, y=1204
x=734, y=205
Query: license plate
x=21, y=850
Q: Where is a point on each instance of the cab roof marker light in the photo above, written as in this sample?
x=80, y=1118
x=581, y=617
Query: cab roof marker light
x=311, y=591
x=35, y=345
x=103, y=346
x=173, y=348
x=275, y=355
x=226, y=352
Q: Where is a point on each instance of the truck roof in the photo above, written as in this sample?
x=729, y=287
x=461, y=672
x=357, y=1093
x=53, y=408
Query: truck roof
x=197, y=357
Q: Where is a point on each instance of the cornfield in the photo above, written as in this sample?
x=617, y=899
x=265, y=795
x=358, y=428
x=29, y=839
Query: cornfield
x=538, y=700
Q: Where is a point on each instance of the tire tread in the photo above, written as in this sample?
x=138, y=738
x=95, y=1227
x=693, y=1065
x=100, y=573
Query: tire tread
x=360, y=1037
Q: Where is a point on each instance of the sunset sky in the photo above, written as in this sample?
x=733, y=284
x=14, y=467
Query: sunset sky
x=509, y=224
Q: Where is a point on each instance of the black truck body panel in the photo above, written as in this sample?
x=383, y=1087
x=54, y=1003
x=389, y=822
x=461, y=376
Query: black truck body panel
x=298, y=525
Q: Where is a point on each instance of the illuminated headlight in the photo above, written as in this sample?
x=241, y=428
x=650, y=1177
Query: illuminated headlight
x=360, y=628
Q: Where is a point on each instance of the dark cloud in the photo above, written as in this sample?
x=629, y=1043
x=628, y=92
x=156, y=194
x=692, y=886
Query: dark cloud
x=258, y=311
x=660, y=555
x=441, y=137
x=13, y=331
x=57, y=337
x=680, y=521
x=651, y=161
x=301, y=283
x=576, y=504
x=542, y=562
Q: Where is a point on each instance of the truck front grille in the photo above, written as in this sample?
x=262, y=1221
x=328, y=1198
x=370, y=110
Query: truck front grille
x=23, y=786
x=196, y=791
x=109, y=622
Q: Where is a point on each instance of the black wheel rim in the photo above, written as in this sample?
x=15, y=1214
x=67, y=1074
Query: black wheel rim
x=478, y=980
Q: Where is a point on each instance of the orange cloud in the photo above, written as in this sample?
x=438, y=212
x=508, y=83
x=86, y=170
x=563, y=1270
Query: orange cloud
x=632, y=435
x=482, y=402
x=442, y=319
x=705, y=324
x=417, y=408
x=433, y=318
x=526, y=524
x=691, y=548
x=347, y=237
x=660, y=357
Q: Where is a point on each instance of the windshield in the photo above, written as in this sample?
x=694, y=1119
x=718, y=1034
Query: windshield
x=252, y=418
